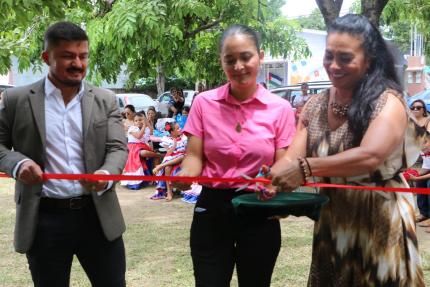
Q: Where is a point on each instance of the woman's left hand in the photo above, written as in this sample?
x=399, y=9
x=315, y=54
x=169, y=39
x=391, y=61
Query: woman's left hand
x=288, y=177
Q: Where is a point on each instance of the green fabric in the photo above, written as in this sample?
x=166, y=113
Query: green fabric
x=291, y=203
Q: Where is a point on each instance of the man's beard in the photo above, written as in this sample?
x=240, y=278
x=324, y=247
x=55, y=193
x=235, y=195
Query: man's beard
x=66, y=82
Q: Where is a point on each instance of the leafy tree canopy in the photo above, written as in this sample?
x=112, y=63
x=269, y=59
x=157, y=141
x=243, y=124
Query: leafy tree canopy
x=179, y=35
x=313, y=21
x=400, y=16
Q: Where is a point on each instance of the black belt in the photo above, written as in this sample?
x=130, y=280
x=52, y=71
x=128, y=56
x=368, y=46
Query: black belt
x=78, y=202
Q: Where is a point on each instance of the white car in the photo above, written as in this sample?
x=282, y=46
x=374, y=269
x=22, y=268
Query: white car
x=141, y=102
x=4, y=87
x=290, y=92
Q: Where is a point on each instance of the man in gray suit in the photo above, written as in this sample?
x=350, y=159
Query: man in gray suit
x=62, y=124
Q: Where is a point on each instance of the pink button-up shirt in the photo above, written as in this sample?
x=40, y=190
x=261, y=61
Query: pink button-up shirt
x=266, y=124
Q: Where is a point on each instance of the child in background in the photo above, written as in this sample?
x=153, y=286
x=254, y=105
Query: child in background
x=181, y=119
x=138, y=145
x=175, y=144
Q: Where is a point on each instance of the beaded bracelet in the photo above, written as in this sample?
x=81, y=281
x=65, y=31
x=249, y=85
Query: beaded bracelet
x=305, y=167
x=309, y=166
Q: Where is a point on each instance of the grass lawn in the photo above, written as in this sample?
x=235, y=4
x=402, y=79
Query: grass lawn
x=157, y=248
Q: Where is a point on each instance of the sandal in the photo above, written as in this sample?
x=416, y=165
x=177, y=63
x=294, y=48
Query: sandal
x=158, y=196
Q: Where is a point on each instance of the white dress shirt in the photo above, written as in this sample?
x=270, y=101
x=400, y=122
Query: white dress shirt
x=64, y=142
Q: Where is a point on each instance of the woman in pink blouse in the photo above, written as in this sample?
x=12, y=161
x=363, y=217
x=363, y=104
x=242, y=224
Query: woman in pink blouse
x=234, y=130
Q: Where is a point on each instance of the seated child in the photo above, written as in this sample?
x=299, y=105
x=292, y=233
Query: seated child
x=181, y=119
x=138, y=150
x=175, y=144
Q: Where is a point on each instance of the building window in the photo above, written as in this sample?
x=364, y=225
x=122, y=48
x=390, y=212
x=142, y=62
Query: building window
x=410, y=78
x=418, y=77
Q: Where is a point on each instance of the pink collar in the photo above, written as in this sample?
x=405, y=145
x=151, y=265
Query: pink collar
x=223, y=93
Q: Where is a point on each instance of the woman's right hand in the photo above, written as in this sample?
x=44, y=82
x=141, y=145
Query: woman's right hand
x=288, y=177
x=182, y=186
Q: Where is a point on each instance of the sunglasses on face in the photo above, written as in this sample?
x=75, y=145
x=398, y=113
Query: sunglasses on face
x=416, y=108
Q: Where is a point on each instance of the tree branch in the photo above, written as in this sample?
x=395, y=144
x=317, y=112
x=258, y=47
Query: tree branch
x=202, y=28
x=372, y=9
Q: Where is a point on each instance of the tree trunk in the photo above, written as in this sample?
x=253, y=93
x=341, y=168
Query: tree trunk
x=372, y=9
x=329, y=9
x=160, y=80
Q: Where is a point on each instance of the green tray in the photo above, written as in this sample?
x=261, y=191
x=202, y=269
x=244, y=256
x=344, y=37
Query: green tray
x=284, y=203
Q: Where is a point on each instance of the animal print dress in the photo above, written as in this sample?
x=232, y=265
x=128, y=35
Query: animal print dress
x=363, y=238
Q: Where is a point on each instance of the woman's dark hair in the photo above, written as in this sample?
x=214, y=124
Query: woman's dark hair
x=181, y=92
x=152, y=108
x=131, y=108
x=380, y=75
x=169, y=126
x=424, y=106
x=239, y=29
x=63, y=31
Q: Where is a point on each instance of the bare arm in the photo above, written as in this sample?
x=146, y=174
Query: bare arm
x=389, y=125
x=192, y=164
x=384, y=135
x=140, y=133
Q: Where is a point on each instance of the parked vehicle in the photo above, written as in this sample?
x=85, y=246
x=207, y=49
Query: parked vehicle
x=290, y=92
x=4, y=87
x=141, y=102
x=166, y=97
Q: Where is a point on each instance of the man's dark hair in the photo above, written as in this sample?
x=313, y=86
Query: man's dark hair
x=63, y=31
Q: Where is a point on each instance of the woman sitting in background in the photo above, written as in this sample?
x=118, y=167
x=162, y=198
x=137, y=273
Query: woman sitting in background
x=128, y=121
x=177, y=103
x=152, y=118
x=419, y=110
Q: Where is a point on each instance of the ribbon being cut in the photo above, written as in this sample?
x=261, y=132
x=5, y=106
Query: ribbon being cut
x=283, y=204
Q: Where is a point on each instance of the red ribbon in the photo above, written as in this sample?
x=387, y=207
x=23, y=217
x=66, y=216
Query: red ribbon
x=202, y=179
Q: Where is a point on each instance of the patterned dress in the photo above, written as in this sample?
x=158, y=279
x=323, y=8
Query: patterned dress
x=363, y=238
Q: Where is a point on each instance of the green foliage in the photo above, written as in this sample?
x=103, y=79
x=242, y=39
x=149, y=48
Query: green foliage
x=139, y=35
x=400, y=16
x=313, y=21
x=355, y=7
x=23, y=23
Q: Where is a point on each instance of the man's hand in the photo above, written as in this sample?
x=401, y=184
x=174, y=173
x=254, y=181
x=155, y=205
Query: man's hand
x=94, y=185
x=30, y=173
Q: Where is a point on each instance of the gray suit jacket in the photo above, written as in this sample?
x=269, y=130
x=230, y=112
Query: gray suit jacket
x=22, y=127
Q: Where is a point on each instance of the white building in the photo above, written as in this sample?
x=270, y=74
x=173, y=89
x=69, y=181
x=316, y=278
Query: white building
x=279, y=72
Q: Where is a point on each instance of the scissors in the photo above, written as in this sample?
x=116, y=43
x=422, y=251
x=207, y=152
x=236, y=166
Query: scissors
x=264, y=193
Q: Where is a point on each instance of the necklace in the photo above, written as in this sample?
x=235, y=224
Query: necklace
x=339, y=110
x=238, y=128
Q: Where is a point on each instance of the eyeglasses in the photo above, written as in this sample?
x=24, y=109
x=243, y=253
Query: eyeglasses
x=416, y=108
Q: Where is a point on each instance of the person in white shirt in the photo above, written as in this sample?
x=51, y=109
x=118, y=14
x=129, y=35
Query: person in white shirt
x=63, y=125
x=301, y=100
